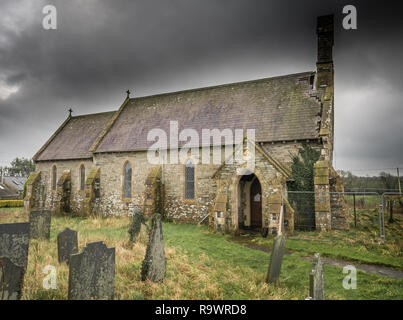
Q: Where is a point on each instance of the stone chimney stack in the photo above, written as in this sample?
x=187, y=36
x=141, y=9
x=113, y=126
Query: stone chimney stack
x=324, y=64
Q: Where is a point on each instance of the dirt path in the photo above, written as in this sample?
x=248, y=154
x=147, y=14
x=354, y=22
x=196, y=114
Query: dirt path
x=368, y=268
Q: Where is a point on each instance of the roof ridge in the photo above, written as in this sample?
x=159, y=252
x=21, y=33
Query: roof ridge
x=93, y=114
x=107, y=127
x=223, y=85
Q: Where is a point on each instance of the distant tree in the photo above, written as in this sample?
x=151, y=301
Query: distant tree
x=20, y=167
x=389, y=182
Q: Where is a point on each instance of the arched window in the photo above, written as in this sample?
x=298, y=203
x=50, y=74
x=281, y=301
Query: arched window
x=127, y=184
x=82, y=177
x=54, y=177
x=189, y=180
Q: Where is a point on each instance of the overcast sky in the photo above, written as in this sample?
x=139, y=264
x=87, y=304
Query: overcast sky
x=101, y=48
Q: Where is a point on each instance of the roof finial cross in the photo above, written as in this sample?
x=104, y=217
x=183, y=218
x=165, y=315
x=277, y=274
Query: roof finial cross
x=70, y=111
x=128, y=94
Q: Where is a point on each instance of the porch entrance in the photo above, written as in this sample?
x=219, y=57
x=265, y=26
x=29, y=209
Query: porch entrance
x=250, y=203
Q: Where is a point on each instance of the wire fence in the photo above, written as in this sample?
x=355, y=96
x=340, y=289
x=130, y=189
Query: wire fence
x=351, y=209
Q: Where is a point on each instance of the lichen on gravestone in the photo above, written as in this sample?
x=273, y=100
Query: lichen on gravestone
x=14, y=245
x=154, y=263
x=92, y=273
x=67, y=244
x=11, y=280
x=317, y=280
x=40, y=224
x=138, y=229
x=276, y=259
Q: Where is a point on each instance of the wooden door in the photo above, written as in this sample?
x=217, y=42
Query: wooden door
x=256, y=204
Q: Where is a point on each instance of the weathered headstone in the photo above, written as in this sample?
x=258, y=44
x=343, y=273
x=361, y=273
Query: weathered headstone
x=67, y=244
x=276, y=259
x=92, y=273
x=317, y=280
x=138, y=229
x=40, y=224
x=14, y=245
x=154, y=263
x=11, y=280
x=14, y=242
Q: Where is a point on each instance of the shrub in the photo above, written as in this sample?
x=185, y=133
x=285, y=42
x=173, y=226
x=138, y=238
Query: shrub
x=11, y=203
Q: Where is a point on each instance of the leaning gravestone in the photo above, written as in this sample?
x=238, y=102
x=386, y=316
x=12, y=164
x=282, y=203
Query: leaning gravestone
x=138, y=229
x=276, y=259
x=40, y=224
x=154, y=263
x=14, y=244
x=11, y=280
x=67, y=244
x=317, y=280
x=92, y=273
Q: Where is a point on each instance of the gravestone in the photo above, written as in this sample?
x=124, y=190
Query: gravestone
x=276, y=259
x=138, y=229
x=14, y=242
x=154, y=263
x=317, y=280
x=67, y=244
x=11, y=280
x=92, y=273
x=14, y=245
x=40, y=224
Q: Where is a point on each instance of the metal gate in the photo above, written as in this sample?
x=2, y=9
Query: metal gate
x=303, y=203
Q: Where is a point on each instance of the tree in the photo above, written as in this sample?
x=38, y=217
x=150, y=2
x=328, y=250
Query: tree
x=303, y=180
x=302, y=168
x=389, y=182
x=20, y=167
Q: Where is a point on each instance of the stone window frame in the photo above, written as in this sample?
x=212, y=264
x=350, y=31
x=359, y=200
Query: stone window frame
x=53, y=177
x=191, y=201
x=79, y=176
x=125, y=199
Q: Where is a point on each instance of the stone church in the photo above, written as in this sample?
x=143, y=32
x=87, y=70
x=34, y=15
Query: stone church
x=97, y=164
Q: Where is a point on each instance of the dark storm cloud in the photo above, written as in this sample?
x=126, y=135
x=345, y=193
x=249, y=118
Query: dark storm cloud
x=101, y=48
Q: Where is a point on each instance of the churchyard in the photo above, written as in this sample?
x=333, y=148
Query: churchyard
x=204, y=264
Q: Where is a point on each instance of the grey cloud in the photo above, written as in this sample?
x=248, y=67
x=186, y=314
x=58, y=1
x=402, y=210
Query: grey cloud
x=102, y=48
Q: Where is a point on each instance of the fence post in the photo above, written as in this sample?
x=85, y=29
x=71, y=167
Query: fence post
x=355, y=213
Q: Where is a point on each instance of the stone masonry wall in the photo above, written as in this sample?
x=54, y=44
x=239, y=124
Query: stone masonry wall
x=271, y=182
x=172, y=176
x=48, y=198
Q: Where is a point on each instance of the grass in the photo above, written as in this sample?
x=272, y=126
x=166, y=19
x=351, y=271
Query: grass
x=201, y=265
x=360, y=244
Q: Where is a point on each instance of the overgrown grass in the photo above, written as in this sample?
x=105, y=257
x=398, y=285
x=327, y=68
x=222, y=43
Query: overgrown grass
x=201, y=265
x=360, y=244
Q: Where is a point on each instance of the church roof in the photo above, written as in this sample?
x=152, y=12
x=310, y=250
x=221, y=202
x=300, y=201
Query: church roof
x=74, y=138
x=279, y=108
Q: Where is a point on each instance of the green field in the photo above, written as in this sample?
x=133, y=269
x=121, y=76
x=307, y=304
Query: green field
x=206, y=265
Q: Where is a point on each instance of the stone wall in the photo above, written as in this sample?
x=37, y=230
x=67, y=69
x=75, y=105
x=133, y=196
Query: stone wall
x=322, y=195
x=283, y=151
x=104, y=177
x=49, y=199
x=173, y=181
x=339, y=211
x=33, y=191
